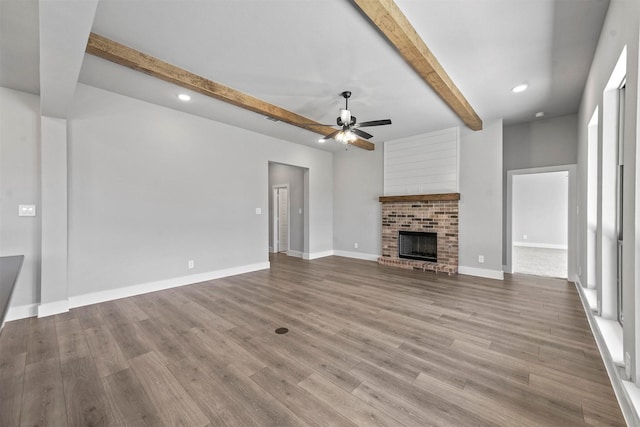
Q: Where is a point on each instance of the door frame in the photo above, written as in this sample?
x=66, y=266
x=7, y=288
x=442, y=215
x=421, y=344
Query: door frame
x=276, y=217
x=572, y=213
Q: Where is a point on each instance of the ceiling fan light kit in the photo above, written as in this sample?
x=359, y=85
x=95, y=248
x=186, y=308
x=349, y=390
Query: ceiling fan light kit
x=350, y=132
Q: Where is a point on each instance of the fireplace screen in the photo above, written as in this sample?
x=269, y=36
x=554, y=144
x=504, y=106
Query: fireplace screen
x=417, y=245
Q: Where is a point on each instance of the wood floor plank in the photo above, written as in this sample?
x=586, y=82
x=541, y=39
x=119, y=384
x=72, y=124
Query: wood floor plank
x=175, y=406
x=227, y=350
x=15, y=337
x=43, y=395
x=130, y=399
x=298, y=400
x=11, y=385
x=87, y=403
x=346, y=403
x=130, y=338
x=42, y=344
x=72, y=343
x=291, y=369
x=367, y=345
x=223, y=410
x=400, y=393
x=105, y=350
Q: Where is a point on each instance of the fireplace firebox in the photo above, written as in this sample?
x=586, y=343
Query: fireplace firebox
x=418, y=245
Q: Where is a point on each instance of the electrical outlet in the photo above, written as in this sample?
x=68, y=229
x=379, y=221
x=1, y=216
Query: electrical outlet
x=355, y=246
x=480, y=258
x=190, y=264
x=524, y=237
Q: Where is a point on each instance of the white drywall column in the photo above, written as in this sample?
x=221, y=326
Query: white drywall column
x=53, y=288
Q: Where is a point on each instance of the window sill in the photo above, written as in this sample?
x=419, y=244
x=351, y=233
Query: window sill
x=612, y=333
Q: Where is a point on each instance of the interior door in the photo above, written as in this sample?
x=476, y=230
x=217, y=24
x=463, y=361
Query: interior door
x=282, y=219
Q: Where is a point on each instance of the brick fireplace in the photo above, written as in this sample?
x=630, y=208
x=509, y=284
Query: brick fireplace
x=436, y=213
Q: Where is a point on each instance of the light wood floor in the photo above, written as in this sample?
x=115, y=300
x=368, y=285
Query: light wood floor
x=367, y=345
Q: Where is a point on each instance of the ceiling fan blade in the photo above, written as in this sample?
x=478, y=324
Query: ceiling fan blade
x=331, y=135
x=374, y=123
x=361, y=133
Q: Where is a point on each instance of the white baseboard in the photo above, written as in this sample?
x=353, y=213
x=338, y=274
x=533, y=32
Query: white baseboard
x=296, y=254
x=51, y=308
x=356, y=255
x=540, y=245
x=57, y=307
x=143, y=288
x=481, y=272
x=315, y=255
x=22, y=312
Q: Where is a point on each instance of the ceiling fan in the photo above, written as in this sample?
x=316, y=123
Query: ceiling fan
x=350, y=131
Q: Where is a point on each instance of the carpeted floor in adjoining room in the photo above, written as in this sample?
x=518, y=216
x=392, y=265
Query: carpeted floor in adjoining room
x=540, y=261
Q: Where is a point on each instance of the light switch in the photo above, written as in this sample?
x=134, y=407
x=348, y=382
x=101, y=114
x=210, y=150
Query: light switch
x=300, y=211
x=26, y=210
x=258, y=211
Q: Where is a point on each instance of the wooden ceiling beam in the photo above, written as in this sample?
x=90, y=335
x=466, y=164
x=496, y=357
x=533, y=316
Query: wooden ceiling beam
x=123, y=55
x=391, y=22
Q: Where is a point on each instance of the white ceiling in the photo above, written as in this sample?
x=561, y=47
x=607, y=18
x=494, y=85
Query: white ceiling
x=300, y=54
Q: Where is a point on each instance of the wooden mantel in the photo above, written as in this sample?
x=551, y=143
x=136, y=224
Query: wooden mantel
x=420, y=197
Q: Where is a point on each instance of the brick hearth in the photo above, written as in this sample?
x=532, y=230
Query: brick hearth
x=436, y=213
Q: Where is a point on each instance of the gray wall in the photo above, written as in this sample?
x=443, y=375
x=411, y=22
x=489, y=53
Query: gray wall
x=358, y=181
x=150, y=188
x=481, y=199
x=547, y=142
x=541, y=143
x=293, y=177
x=539, y=208
x=20, y=184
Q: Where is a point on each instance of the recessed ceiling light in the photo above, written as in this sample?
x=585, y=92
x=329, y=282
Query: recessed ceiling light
x=184, y=97
x=520, y=88
x=322, y=140
x=539, y=114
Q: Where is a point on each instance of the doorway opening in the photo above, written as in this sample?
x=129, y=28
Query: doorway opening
x=288, y=201
x=540, y=230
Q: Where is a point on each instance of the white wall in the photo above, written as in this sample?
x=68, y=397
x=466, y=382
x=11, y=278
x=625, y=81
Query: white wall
x=357, y=211
x=20, y=184
x=480, y=225
x=293, y=177
x=539, y=208
x=541, y=143
x=149, y=189
x=422, y=164
x=620, y=28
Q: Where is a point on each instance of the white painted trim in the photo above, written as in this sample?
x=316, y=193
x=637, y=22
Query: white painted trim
x=22, y=312
x=51, y=308
x=296, y=254
x=271, y=249
x=540, y=245
x=628, y=405
x=611, y=332
x=481, y=272
x=632, y=393
x=315, y=255
x=356, y=255
x=143, y=288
